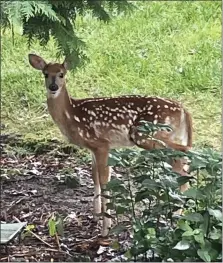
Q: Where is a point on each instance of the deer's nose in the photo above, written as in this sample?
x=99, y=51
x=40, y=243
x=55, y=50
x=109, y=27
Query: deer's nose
x=53, y=87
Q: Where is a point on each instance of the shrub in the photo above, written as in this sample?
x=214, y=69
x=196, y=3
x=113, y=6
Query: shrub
x=148, y=195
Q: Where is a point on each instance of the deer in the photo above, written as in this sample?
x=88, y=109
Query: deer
x=104, y=123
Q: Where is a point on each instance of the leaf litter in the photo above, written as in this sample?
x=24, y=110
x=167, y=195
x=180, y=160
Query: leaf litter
x=32, y=189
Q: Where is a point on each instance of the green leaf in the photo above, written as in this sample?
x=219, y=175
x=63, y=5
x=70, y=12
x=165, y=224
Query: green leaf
x=116, y=185
x=115, y=245
x=176, y=196
x=194, y=217
x=141, y=195
x=151, y=233
x=213, y=254
x=194, y=194
x=215, y=213
x=59, y=226
x=197, y=231
x=183, y=180
x=128, y=254
x=199, y=238
x=188, y=234
x=113, y=160
x=109, y=206
x=182, y=245
x=30, y=227
x=117, y=229
x=205, y=224
x=215, y=234
x=151, y=184
x=203, y=254
x=197, y=163
x=184, y=225
x=120, y=210
x=52, y=226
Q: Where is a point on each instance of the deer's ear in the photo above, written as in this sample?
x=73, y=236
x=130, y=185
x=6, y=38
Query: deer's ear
x=65, y=64
x=37, y=62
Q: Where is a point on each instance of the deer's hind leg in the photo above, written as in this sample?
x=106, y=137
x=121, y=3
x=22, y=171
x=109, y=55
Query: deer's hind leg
x=165, y=138
x=181, y=166
x=143, y=141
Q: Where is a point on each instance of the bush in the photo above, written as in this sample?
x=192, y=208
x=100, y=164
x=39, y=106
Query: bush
x=148, y=195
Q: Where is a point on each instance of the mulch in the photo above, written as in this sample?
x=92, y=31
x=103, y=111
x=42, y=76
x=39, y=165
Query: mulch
x=32, y=189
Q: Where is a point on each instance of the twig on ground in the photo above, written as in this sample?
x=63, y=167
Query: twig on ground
x=35, y=235
x=56, y=250
x=3, y=259
x=84, y=240
x=58, y=242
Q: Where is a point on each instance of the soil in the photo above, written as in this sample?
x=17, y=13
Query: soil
x=34, y=187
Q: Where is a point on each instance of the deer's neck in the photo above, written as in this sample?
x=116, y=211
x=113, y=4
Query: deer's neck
x=59, y=106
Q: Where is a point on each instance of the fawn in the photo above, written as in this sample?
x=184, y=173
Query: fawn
x=100, y=124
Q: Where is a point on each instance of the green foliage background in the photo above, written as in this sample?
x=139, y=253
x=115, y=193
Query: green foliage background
x=170, y=49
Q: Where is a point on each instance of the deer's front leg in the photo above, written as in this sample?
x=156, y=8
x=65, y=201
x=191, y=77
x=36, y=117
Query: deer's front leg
x=101, y=156
x=97, y=190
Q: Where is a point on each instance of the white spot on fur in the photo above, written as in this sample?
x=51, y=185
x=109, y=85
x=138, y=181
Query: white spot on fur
x=81, y=133
x=76, y=118
x=155, y=121
x=167, y=120
x=92, y=113
x=67, y=114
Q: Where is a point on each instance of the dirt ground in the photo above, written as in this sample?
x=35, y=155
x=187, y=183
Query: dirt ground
x=32, y=189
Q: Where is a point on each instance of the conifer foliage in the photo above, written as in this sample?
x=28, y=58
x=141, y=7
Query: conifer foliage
x=43, y=19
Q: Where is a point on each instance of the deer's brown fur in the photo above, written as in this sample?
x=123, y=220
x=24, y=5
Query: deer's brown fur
x=100, y=124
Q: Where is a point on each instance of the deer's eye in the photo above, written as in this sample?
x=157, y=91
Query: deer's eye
x=61, y=75
x=46, y=75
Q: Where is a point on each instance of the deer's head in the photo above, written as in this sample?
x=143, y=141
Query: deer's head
x=54, y=73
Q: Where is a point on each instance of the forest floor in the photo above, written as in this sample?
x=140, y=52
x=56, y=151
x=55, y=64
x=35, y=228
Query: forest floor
x=31, y=191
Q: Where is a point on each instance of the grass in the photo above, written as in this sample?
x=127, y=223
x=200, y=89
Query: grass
x=170, y=49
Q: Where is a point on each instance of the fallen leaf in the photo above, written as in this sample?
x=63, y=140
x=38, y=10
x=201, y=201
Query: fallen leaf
x=101, y=250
